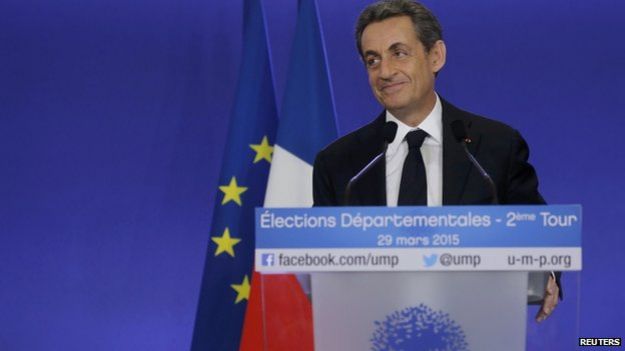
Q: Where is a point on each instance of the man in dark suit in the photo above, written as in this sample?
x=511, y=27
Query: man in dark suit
x=401, y=44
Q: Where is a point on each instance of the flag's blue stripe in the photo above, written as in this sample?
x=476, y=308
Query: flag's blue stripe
x=219, y=320
x=307, y=121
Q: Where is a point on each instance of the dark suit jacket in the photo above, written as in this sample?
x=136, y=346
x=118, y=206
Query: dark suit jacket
x=500, y=150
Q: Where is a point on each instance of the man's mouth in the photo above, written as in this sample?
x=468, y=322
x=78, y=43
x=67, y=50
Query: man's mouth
x=389, y=88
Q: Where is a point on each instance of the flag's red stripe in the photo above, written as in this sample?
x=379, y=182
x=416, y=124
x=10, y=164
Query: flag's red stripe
x=287, y=323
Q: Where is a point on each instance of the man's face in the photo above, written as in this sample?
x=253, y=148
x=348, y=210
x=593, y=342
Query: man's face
x=401, y=73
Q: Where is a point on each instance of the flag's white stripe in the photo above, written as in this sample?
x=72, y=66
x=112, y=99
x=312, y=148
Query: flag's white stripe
x=290, y=185
x=290, y=181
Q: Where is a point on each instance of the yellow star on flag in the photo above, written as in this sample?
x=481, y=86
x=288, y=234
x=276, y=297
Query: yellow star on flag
x=243, y=290
x=263, y=150
x=232, y=192
x=225, y=243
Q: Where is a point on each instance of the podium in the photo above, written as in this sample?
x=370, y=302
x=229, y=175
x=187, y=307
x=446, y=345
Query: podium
x=411, y=278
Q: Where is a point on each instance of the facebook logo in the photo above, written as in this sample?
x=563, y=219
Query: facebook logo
x=267, y=259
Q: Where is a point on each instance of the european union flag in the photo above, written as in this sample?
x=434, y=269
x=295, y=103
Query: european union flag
x=229, y=261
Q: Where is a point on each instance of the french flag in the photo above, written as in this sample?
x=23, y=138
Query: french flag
x=307, y=124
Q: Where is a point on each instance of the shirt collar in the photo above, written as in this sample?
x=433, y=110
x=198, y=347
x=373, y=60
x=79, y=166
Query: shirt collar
x=432, y=124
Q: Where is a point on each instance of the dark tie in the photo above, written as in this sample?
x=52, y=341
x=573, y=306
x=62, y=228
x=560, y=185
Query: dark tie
x=413, y=188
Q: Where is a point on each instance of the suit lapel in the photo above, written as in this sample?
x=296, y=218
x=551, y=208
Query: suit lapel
x=372, y=186
x=456, y=165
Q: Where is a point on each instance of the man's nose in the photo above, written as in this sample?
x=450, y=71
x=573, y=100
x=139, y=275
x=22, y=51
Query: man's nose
x=387, y=70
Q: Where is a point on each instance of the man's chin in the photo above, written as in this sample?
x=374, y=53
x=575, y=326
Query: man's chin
x=393, y=106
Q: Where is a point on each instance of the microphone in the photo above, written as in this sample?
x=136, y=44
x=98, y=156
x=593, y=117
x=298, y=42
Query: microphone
x=460, y=133
x=389, y=131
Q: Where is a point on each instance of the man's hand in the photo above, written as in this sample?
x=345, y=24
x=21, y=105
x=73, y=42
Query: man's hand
x=551, y=300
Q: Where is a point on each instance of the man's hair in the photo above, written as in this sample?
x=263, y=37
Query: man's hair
x=426, y=26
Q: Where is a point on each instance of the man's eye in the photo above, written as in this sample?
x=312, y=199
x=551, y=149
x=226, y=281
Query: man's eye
x=372, y=61
x=400, y=54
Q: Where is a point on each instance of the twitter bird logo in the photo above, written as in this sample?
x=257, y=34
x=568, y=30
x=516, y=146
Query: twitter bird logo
x=429, y=260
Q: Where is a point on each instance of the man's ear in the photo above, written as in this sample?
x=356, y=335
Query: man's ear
x=437, y=56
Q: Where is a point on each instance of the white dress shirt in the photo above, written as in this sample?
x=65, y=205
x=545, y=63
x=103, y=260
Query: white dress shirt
x=431, y=151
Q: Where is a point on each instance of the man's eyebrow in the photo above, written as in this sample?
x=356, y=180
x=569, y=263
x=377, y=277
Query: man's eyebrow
x=397, y=45
x=393, y=46
x=371, y=53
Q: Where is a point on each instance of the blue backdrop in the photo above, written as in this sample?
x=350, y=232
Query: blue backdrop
x=112, y=127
